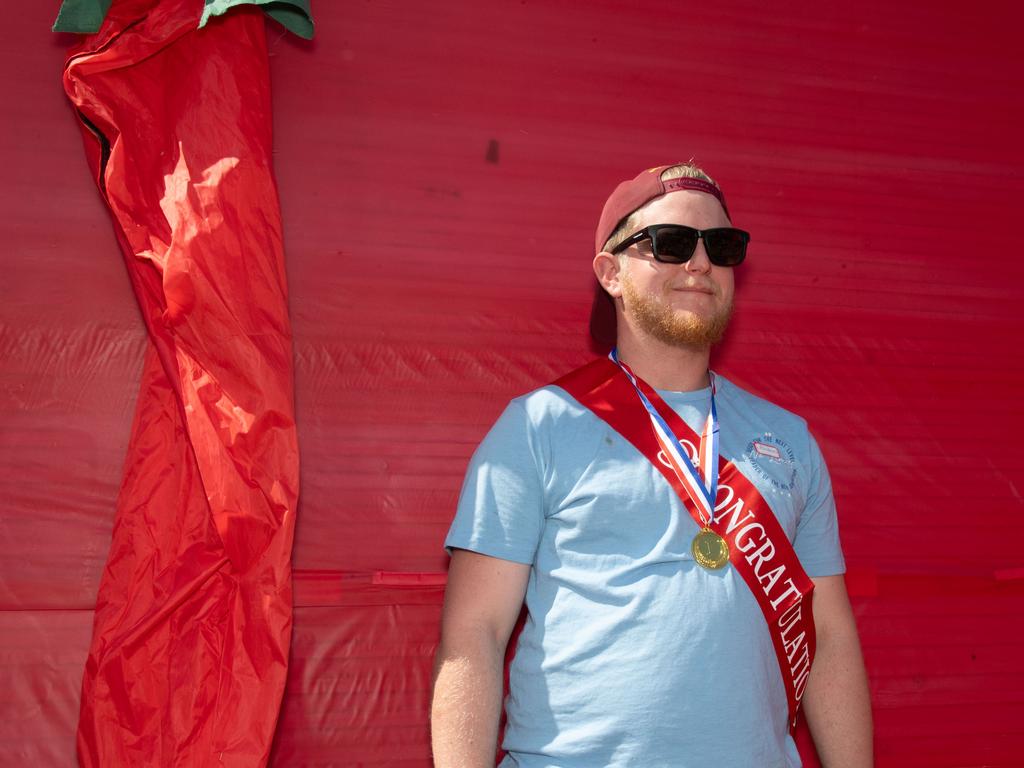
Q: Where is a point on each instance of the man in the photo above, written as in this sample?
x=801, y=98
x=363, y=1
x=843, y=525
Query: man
x=668, y=591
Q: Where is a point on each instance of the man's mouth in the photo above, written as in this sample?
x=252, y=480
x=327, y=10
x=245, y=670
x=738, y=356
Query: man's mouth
x=694, y=289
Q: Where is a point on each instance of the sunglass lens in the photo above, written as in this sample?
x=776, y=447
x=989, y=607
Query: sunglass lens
x=726, y=246
x=675, y=245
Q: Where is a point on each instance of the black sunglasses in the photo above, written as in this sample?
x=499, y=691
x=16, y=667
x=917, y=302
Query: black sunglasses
x=675, y=243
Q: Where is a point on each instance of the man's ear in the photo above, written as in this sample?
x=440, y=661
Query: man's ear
x=609, y=273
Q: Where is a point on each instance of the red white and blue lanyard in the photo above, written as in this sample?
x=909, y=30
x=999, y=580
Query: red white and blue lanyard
x=703, y=491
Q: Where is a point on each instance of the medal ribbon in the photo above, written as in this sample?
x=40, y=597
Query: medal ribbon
x=702, y=491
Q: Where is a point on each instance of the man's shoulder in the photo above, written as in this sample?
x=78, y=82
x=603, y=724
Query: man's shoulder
x=553, y=401
x=757, y=407
x=544, y=403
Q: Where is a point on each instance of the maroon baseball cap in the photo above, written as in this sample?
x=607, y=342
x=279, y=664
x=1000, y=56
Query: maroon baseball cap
x=633, y=194
x=628, y=197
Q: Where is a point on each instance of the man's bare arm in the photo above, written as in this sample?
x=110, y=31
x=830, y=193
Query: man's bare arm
x=837, y=701
x=481, y=604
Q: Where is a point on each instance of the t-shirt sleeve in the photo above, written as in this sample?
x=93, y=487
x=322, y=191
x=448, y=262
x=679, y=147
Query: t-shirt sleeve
x=501, y=507
x=817, y=533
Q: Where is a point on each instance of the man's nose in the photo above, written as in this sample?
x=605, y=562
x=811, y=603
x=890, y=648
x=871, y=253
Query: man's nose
x=699, y=263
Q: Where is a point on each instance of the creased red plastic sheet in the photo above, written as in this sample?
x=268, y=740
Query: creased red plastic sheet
x=440, y=169
x=190, y=644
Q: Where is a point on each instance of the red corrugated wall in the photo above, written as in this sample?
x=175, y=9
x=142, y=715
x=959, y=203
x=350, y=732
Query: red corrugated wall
x=441, y=169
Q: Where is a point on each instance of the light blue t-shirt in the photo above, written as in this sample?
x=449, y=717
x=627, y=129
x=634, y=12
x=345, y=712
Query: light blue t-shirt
x=632, y=654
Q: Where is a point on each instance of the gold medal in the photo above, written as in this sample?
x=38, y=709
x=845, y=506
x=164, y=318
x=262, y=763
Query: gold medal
x=710, y=550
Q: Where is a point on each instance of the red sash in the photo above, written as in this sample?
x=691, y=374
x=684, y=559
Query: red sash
x=758, y=547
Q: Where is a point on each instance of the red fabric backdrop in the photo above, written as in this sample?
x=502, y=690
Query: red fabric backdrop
x=441, y=169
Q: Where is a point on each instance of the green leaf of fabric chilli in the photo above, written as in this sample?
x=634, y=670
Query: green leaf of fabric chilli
x=81, y=16
x=293, y=15
x=85, y=17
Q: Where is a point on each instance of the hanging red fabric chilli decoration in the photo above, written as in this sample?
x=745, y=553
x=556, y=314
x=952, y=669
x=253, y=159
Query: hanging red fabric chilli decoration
x=193, y=619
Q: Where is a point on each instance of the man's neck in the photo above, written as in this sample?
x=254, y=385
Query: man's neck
x=664, y=366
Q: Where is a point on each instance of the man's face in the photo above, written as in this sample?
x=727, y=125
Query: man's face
x=679, y=304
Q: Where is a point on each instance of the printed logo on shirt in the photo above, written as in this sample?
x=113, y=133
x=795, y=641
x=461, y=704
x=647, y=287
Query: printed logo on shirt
x=773, y=461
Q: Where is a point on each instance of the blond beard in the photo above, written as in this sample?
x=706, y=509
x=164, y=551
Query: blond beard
x=658, y=319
